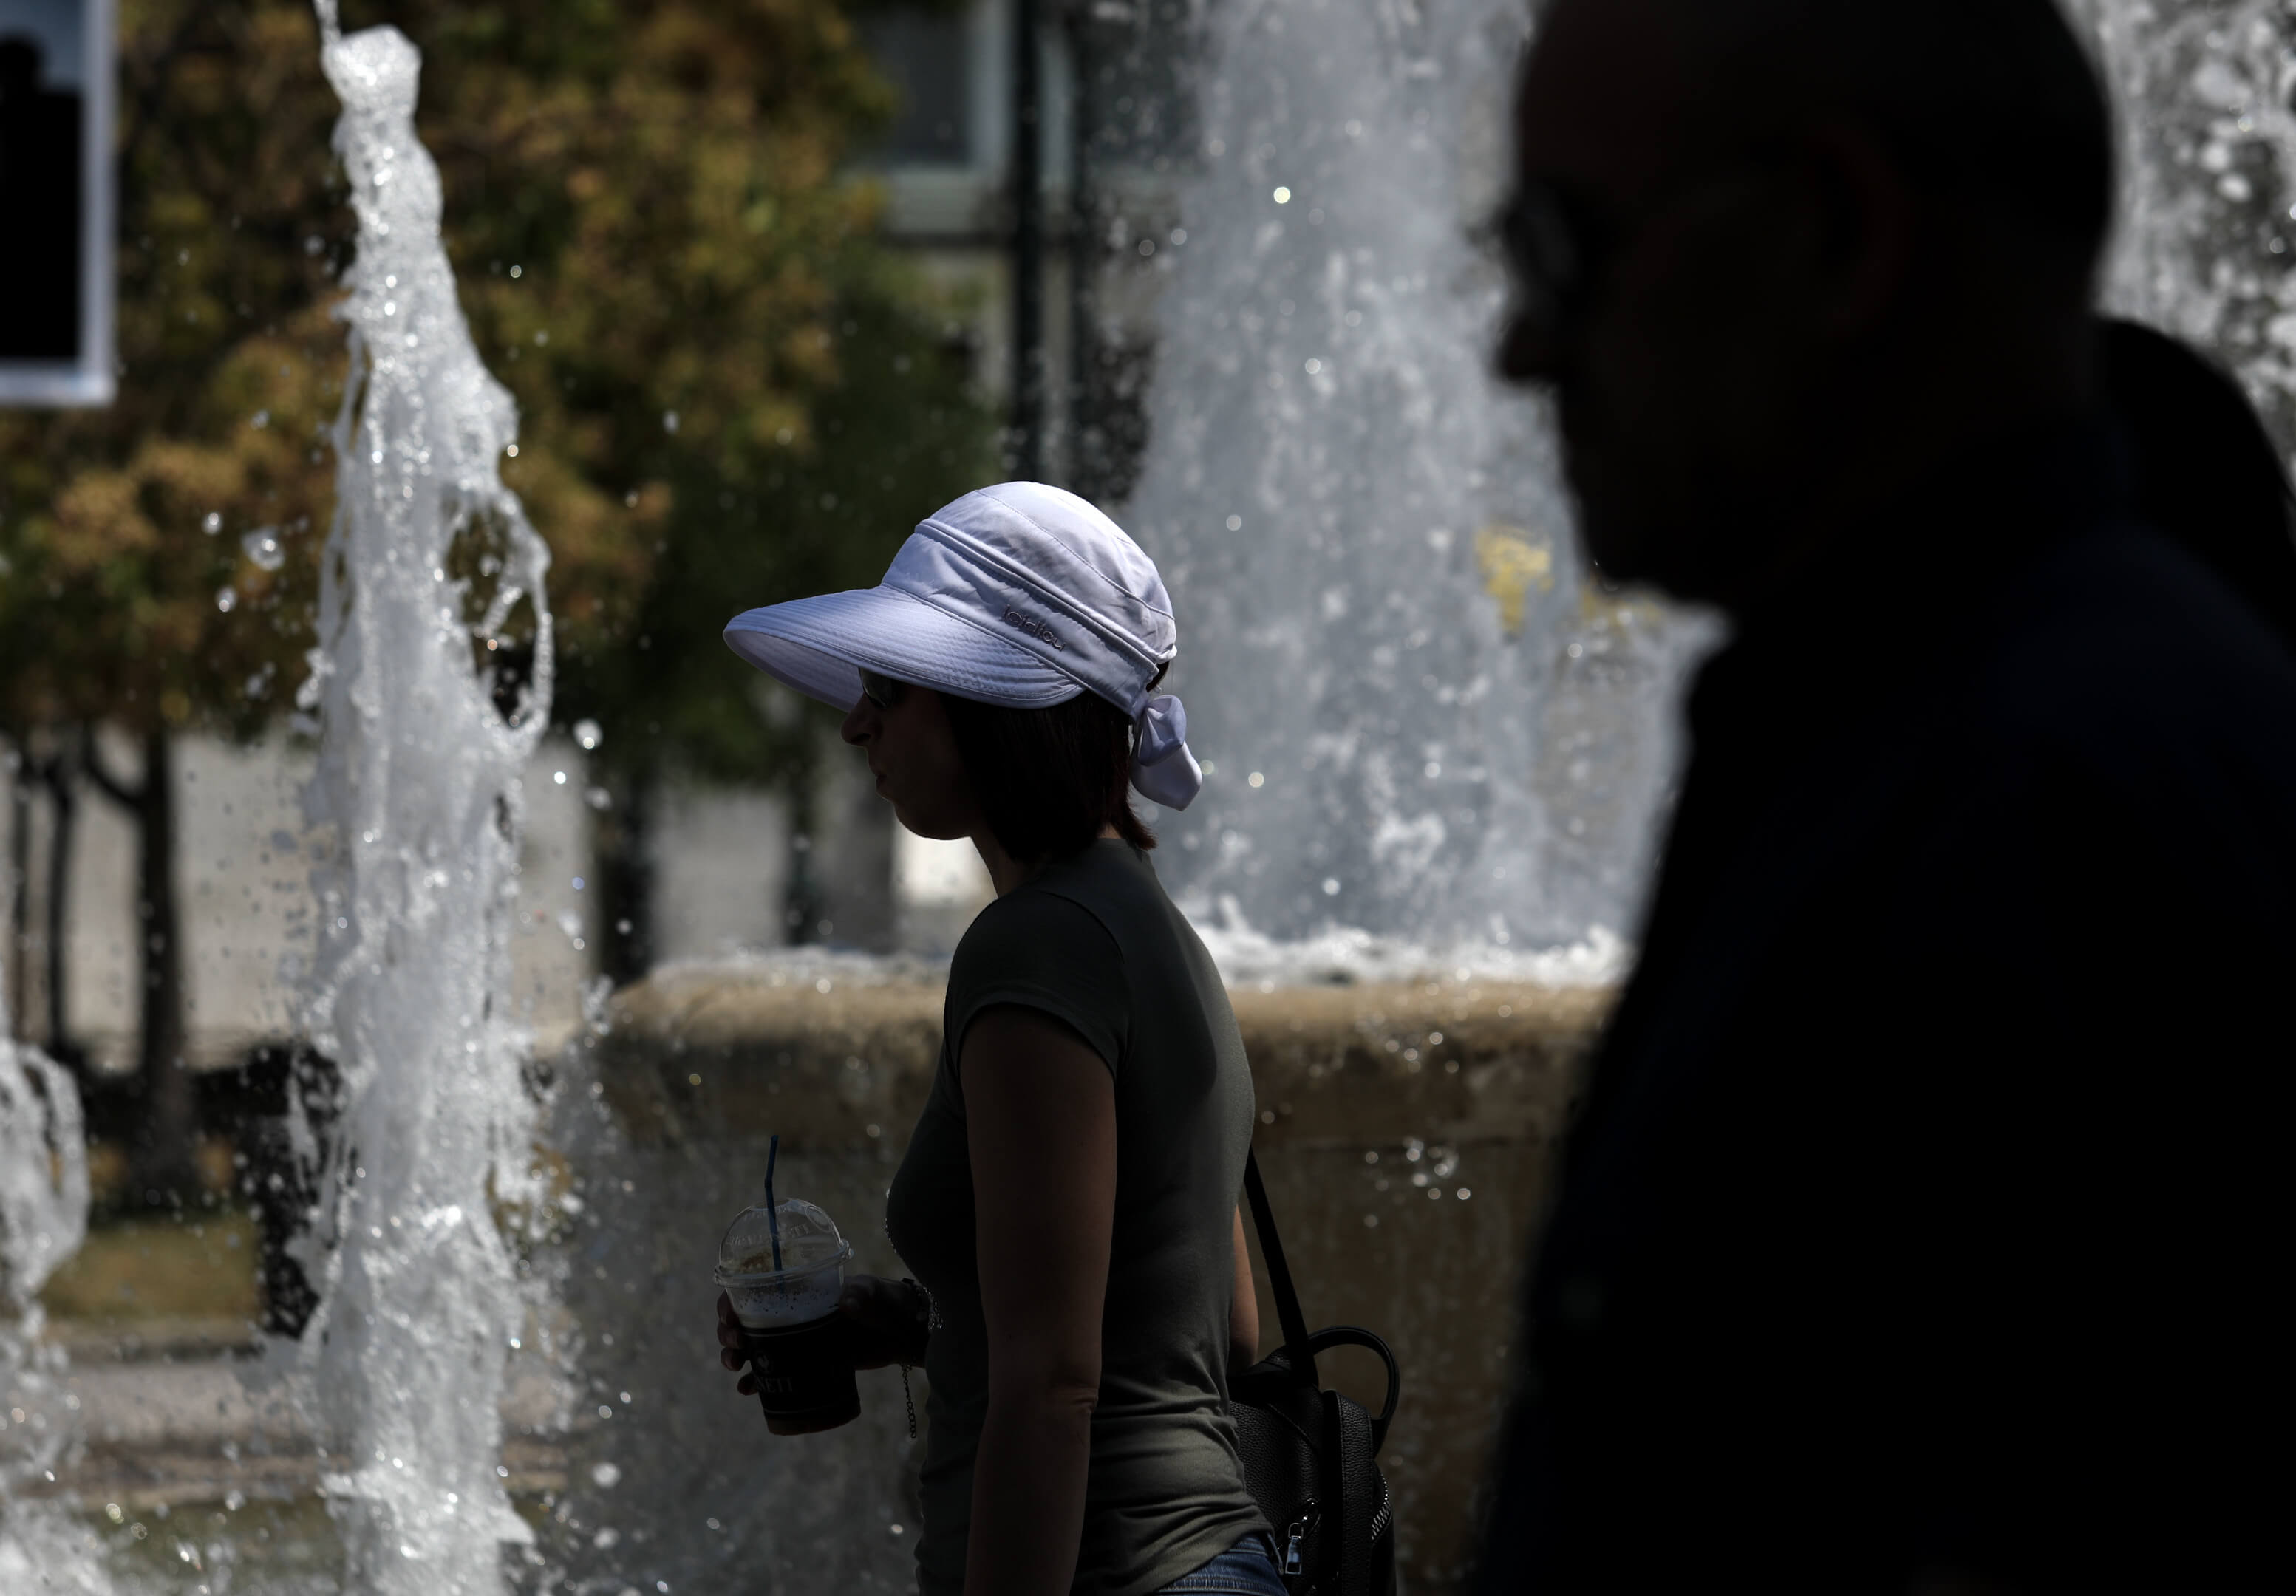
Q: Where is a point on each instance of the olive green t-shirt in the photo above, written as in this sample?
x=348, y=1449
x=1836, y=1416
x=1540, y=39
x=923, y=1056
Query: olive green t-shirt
x=1093, y=942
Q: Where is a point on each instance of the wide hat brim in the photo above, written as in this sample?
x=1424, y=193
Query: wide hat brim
x=820, y=645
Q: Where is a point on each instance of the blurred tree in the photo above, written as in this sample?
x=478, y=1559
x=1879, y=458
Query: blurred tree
x=730, y=392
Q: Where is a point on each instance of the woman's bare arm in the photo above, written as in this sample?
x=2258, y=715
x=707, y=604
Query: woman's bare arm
x=1040, y=1124
x=1243, y=1316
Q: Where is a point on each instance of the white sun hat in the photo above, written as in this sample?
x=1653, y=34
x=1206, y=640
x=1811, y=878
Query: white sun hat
x=1019, y=594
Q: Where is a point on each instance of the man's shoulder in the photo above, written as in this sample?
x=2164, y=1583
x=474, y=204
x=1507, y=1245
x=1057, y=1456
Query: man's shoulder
x=2119, y=649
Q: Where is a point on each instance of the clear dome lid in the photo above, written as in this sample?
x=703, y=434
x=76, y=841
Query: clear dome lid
x=809, y=1239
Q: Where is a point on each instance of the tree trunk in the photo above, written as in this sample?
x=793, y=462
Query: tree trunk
x=63, y=805
x=621, y=845
x=170, y=1111
x=167, y=1137
x=21, y=777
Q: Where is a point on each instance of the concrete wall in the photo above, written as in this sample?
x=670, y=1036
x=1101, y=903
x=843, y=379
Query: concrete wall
x=1406, y=1133
x=244, y=859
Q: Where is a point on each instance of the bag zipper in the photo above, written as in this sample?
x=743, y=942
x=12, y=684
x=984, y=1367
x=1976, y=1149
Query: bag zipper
x=1292, y=1537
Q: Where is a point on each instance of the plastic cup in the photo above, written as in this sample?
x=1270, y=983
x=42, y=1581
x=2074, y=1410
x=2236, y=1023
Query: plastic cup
x=789, y=1327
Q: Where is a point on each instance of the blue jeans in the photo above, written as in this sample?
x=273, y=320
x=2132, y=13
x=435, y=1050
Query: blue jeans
x=1247, y=1569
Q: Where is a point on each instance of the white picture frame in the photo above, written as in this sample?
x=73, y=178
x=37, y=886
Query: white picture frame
x=87, y=62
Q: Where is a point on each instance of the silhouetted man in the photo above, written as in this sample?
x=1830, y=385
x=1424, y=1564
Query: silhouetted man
x=1925, y=1221
x=39, y=211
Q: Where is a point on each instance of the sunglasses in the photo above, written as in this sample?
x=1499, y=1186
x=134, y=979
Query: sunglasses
x=880, y=690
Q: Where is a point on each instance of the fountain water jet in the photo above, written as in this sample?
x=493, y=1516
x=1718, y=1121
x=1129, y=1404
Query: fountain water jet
x=42, y=1220
x=1423, y=720
x=431, y=1128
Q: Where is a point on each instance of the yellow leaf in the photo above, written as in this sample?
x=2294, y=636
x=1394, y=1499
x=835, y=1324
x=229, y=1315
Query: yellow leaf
x=1512, y=561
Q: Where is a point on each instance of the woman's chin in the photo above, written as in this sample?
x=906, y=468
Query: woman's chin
x=924, y=826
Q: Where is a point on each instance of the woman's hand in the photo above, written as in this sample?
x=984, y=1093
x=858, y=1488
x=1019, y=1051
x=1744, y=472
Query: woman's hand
x=885, y=1323
x=889, y=1320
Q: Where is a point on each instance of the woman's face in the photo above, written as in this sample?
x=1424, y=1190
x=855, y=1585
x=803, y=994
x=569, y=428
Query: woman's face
x=912, y=754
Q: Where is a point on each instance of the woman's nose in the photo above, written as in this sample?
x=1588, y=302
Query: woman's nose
x=860, y=722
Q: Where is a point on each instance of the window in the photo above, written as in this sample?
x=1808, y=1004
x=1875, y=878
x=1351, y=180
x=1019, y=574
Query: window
x=928, y=56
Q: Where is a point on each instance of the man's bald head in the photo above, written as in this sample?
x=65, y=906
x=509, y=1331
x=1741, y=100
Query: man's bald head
x=1776, y=257
x=1993, y=104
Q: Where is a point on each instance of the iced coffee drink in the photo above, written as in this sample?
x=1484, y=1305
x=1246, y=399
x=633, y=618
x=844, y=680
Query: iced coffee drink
x=783, y=1268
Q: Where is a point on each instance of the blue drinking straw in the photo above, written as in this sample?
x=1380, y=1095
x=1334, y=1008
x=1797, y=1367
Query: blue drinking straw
x=773, y=1214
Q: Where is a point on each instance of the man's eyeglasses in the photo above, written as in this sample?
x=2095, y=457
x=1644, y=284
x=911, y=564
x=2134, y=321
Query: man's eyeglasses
x=1561, y=246
x=1558, y=246
x=881, y=691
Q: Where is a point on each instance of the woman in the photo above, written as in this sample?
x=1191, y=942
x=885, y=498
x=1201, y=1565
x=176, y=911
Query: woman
x=1068, y=1197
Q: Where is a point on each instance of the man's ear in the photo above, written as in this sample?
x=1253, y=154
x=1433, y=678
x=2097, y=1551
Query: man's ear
x=1867, y=216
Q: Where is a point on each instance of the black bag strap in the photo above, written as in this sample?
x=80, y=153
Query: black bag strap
x=1357, y=1492
x=1298, y=1351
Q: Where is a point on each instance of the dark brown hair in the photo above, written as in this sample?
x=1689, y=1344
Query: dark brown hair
x=1049, y=779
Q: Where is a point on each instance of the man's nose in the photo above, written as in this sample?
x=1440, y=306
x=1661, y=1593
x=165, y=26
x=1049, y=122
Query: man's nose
x=1529, y=349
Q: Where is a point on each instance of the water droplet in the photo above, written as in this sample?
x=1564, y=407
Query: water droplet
x=211, y=523
x=227, y=599
x=669, y=420
x=1331, y=886
x=512, y=451
x=263, y=549
x=262, y=418
x=1179, y=235
x=587, y=733
x=606, y=1475
x=1313, y=367
x=1256, y=779
x=558, y=777
x=1284, y=196
x=1235, y=523
x=518, y=271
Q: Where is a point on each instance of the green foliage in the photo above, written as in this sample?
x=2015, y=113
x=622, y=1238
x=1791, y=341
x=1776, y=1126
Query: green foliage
x=730, y=391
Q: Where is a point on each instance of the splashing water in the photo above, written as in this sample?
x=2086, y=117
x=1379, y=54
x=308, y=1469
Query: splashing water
x=2206, y=247
x=1421, y=718
x=42, y=1219
x=419, y=773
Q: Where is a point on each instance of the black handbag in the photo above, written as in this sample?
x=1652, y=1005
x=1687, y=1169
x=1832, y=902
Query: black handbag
x=1310, y=1455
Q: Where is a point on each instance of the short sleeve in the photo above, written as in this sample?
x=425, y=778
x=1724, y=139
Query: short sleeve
x=1038, y=949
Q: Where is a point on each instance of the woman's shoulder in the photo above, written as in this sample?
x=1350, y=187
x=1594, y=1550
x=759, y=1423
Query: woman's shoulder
x=1031, y=926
